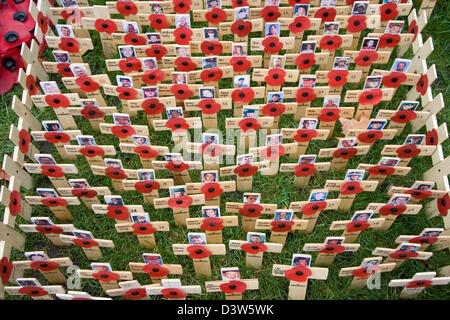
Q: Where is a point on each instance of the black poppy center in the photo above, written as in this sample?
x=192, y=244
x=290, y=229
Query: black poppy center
x=356, y=23
x=251, y=210
x=326, y=14
x=210, y=48
x=104, y=276
x=134, y=293
x=298, y=25
x=299, y=273
x=315, y=207
x=70, y=44
x=270, y=14
x=281, y=225
x=127, y=7
x=241, y=95
x=211, y=189
x=84, y=193
x=14, y=201
x=330, y=42
x=212, y=224
x=272, y=44
x=134, y=40
x=240, y=62
x=273, y=109
x=402, y=116
x=366, y=58
x=420, y=283
x=158, y=20
x=51, y=170
x=157, y=51
x=34, y=292
x=241, y=27
x=48, y=229
x=408, y=151
x=249, y=124
x=338, y=78
x=85, y=242
x=371, y=136
x=118, y=212
x=422, y=83
x=215, y=16
x=305, y=94
x=142, y=228
x=330, y=248
x=330, y=114
x=180, y=91
x=181, y=5
x=306, y=61
x=351, y=188
x=20, y=16
x=198, y=251
x=105, y=25
x=90, y=151
x=388, y=11
x=275, y=76
x=182, y=36
x=402, y=255
x=394, y=210
x=357, y=225
x=255, y=247
x=86, y=83
x=232, y=287
x=155, y=269
x=389, y=40
x=11, y=36
x=67, y=69
x=179, y=201
x=53, y=202
x=124, y=130
x=211, y=75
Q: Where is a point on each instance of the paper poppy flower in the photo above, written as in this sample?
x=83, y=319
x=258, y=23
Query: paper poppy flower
x=253, y=248
x=211, y=75
x=126, y=8
x=49, y=229
x=155, y=270
x=211, y=48
x=31, y=85
x=72, y=15
x=422, y=84
x=156, y=51
x=389, y=209
x=173, y=293
x=57, y=100
x=15, y=203
x=337, y=78
x=244, y=95
x=106, y=276
x=130, y=64
x=356, y=226
x=180, y=202
x=181, y=91
x=13, y=34
x=329, y=114
x=356, y=23
x=11, y=63
x=330, y=43
x=24, y=141
x=370, y=136
x=56, y=137
x=270, y=13
x=298, y=274
x=145, y=152
x=134, y=39
x=64, y=70
x=233, y=286
x=216, y=15
x=198, y=252
x=394, y=79
x=6, y=268
x=211, y=150
x=305, y=60
x=381, y=170
x=388, y=11
x=115, y=173
x=52, y=171
x=275, y=77
x=239, y=3
x=44, y=265
x=92, y=151
x=245, y=170
x=312, y=208
x=249, y=124
x=272, y=153
x=86, y=84
x=33, y=291
x=185, y=64
x=363, y=272
x=414, y=29
x=84, y=193
x=332, y=248
x=366, y=57
x=272, y=44
x=420, y=284
x=135, y=293
x=92, y=113
x=292, y=3
x=212, y=224
x=299, y=25
x=240, y=64
x=281, y=226
x=105, y=25
x=122, y=131
x=419, y=194
x=424, y=240
x=326, y=14
x=211, y=190
x=408, y=151
x=126, y=93
x=147, y=186
x=241, y=28
x=85, y=243
x=431, y=138
x=177, y=124
x=443, y=205
x=152, y=106
x=371, y=97
x=54, y=202
x=403, y=255
x=351, y=187
x=158, y=21
x=345, y=153
x=209, y=106
x=404, y=116
x=176, y=166
x=42, y=22
x=305, y=95
x=251, y=210
x=273, y=109
x=388, y=40
x=69, y=45
x=181, y=6
x=305, y=170
x=117, y=212
x=182, y=35
x=143, y=228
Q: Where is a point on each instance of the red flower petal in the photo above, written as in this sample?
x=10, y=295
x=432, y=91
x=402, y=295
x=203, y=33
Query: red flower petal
x=403, y=255
x=422, y=84
x=117, y=212
x=31, y=85
x=152, y=106
x=272, y=44
x=312, y=208
x=52, y=171
x=305, y=95
x=381, y=170
x=389, y=209
x=143, y=228
x=122, y=131
x=173, y=293
x=158, y=21
x=273, y=109
x=251, y=210
x=180, y=202
x=298, y=274
x=304, y=135
x=420, y=284
x=332, y=248
x=281, y=226
x=240, y=64
x=216, y=16
x=305, y=61
x=394, y=79
x=388, y=40
x=15, y=203
x=371, y=97
x=337, y=78
x=209, y=106
x=370, y=136
x=275, y=77
x=211, y=150
x=272, y=153
x=106, y=276
x=64, y=70
x=50, y=229
x=84, y=193
x=326, y=14
x=249, y=124
x=181, y=91
x=418, y=194
x=292, y=3
x=182, y=35
x=57, y=100
x=85, y=243
x=69, y=45
x=105, y=25
x=134, y=39
x=243, y=95
x=55, y=137
x=126, y=93
x=177, y=124
x=25, y=139
x=211, y=75
x=299, y=25
x=413, y=28
x=185, y=64
x=42, y=22
x=181, y=6
x=54, y=202
x=330, y=43
x=239, y=3
x=253, y=248
x=86, y=84
x=145, y=152
x=130, y=64
x=356, y=23
x=356, y=226
x=329, y=114
x=92, y=151
x=198, y=252
x=92, y=113
x=345, y=153
x=177, y=166
x=72, y=15
x=126, y=8
x=366, y=57
x=241, y=28
x=404, y=116
x=147, y=186
x=305, y=170
x=212, y=224
x=115, y=173
x=270, y=13
x=33, y=291
x=424, y=240
x=443, y=205
x=408, y=151
x=363, y=272
x=44, y=265
x=245, y=170
x=135, y=293
x=233, y=286
x=211, y=48
x=156, y=51
x=211, y=190
x=156, y=271
x=351, y=187
x=6, y=268
x=388, y=11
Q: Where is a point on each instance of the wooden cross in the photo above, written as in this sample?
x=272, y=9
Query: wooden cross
x=399, y=118
x=297, y=26
x=117, y=175
x=421, y=280
x=287, y=43
x=369, y=137
x=272, y=153
x=81, y=189
x=303, y=137
x=211, y=189
x=130, y=290
x=88, y=86
x=328, y=116
x=173, y=290
x=76, y=47
x=212, y=153
x=257, y=25
x=117, y=210
x=144, y=231
x=181, y=92
x=364, y=59
x=420, y=23
x=34, y=70
x=304, y=97
x=90, y=246
x=179, y=127
x=55, y=173
x=155, y=268
x=59, y=103
x=14, y=205
x=403, y=252
x=209, y=109
x=304, y=171
x=201, y=16
x=107, y=278
x=272, y=77
x=152, y=107
x=244, y=174
x=74, y=18
x=51, y=231
x=419, y=190
x=35, y=290
x=93, y=113
x=372, y=21
x=179, y=168
x=123, y=132
x=148, y=187
x=78, y=295
x=58, y=205
x=305, y=61
x=180, y=205
x=427, y=237
x=248, y=128
x=234, y=287
x=346, y=41
x=241, y=97
x=58, y=139
x=341, y=155
x=92, y=153
x=225, y=72
x=367, y=99
x=379, y=172
x=350, y=76
x=329, y=249
x=12, y=168
x=407, y=152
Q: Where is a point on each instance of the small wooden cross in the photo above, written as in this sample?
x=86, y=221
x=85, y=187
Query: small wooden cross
x=147, y=153
x=427, y=237
x=106, y=277
x=59, y=103
x=407, y=152
x=365, y=58
x=344, y=42
x=22, y=142
x=367, y=99
x=341, y=155
x=421, y=280
x=372, y=21
x=12, y=168
x=130, y=290
x=360, y=221
x=86, y=193
x=58, y=205
x=75, y=47
x=273, y=153
x=114, y=170
x=211, y=153
x=88, y=243
x=117, y=210
x=244, y=173
x=123, y=132
x=14, y=205
x=88, y=85
x=419, y=190
x=179, y=168
x=403, y=252
x=181, y=92
x=304, y=97
x=369, y=137
x=155, y=267
x=91, y=151
x=34, y=70
x=329, y=249
x=303, y=137
x=34, y=289
x=257, y=25
x=231, y=284
x=379, y=172
x=92, y=112
x=248, y=127
x=273, y=77
x=173, y=290
x=328, y=116
x=304, y=171
x=336, y=79
x=50, y=230
x=241, y=97
x=216, y=74
x=148, y=185
x=152, y=107
x=209, y=108
x=211, y=187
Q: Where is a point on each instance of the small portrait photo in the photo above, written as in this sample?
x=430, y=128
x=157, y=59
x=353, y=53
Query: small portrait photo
x=140, y=140
x=211, y=4
x=308, y=47
x=86, y=141
x=275, y=97
x=45, y=159
x=347, y=143
x=177, y=191
x=301, y=260
x=376, y=124
x=391, y=1
x=156, y=7
x=183, y=51
x=307, y=124
x=394, y=27
x=399, y=200
x=130, y=27
x=210, y=212
x=174, y=112
x=36, y=256
x=206, y=93
x=113, y=163
x=52, y=126
x=79, y=70
x=331, y=28
x=334, y=240
x=127, y=52
x=146, y=174
x=301, y=10
x=69, y=3
x=252, y=198
x=360, y=7
x=354, y=175
x=241, y=13
x=241, y=81
x=211, y=34
x=250, y=112
x=422, y=186
x=121, y=119
x=272, y=29
x=182, y=20
x=123, y=81
x=101, y=267
x=307, y=158
x=209, y=63
x=49, y=87
x=389, y=162
x=89, y=103
x=416, y=139
x=318, y=196
x=256, y=237
x=408, y=105
x=142, y=217
x=283, y=215
x=230, y=274
x=179, y=77
x=114, y=200
x=210, y=138
x=239, y=49
x=65, y=30
x=47, y=193
x=328, y=3
x=79, y=183
x=173, y=157
x=401, y=65
x=26, y=282
x=149, y=64
x=196, y=238
x=149, y=92
x=209, y=176
x=307, y=82
x=274, y=140
x=268, y=3
x=244, y=159
x=341, y=63
x=331, y=102
x=409, y=247
x=373, y=82
x=61, y=56
x=431, y=233
x=41, y=221
x=362, y=216
x=82, y=234
x=277, y=62
x=371, y=263
x=370, y=44
x=152, y=259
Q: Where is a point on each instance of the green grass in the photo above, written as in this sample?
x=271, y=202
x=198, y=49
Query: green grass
x=279, y=190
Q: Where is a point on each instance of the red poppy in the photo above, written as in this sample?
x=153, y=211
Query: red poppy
x=52, y=171
x=55, y=137
x=326, y=14
x=394, y=79
x=370, y=136
x=117, y=212
x=211, y=190
x=211, y=150
x=351, y=187
x=130, y=64
x=15, y=201
x=152, y=106
x=381, y=170
x=135, y=293
x=25, y=139
x=86, y=84
x=298, y=274
x=6, y=267
x=312, y=208
x=305, y=95
x=388, y=11
x=54, y=202
x=85, y=243
x=305, y=60
x=216, y=15
x=209, y=106
x=356, y=226
x=126, y=93
x=418, y=194
x=281, y=226
x=84, y=193
x=272, y=44
x=181, y=6
x=126, y=8
x=424, y=240
x=243, y=95
x=254, y=248
x=198, y=252
x=304, y=135
x=272, y=153
x=143, y=228
x=115, y=173
x=270, y=13
x=42, y=22
x=181, y=91
x=72, y=15
x=299, y=25
x=292, y=3
x=345, y=153
x=239, y=3
x=134, y=39
x=176, y=166
x=122, y=131
x=156, y=51
x=49, y=229
x=422, y=84
x=64, y=70
x=211, y=75
x=182, y=35
x=420, y=284
x=363, y=272
x=233, y=286
x=366, y=57
x=251, y=210
x=92, y=151
x=31, y=85
x=275, y=77
x=211, y=47
x=332, y=248
x=156, y=271
x=212, y=224
x=389, y=209
x=356, y=23
x=337, y=78
x=273, y=109
x=413, y=28
x=371, y=97
x=180, y=202
x=33, y=291
x=185, y=64
x=177, y=124
x=105, y=25
x=173, y=293
x=330, y=43
x=57, y=100
x=408, y=151
x=245, y=170
x=106, y=276
x=404, y=116
x=305, y=170
x=92, y=113
x=329, y=114
x=147, y=186
x=145, y=152
x=403, y=255
x=158, y=21
x=431, y=138
x=44, y=265
x=241, y=28
x=69, y=45
x=249, y=124
x=240, y=64
x=388, y=40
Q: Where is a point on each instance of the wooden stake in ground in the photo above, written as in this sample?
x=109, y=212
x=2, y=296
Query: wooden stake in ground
x=211, y=187
x=209, y=107
x=173, y=290
x=305, y=95
x=329, y=116
x=32, y=288
x=113, y=169
x=59, y=103
x=386, y=166
x=51, y=231
x=248, y=127
x=427, y=237
x=400, y=118
x=116, y=209
x=122, y=128
x=105, y=275
x=403, y=252
x=421, y=280
x=369, y=137
x=303, y=135
x=329, y=249
x=130, y=290
x=81, y=189
x=88, y=243
x=231, y=284
x=245, y=170
x=58, y=205
x=361, y=220
x=153, y=265
x=367, y=99
x=147, y=184
x=407, y=151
